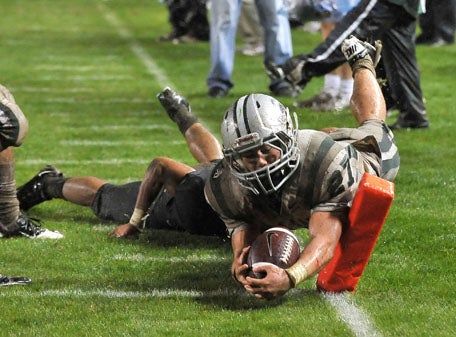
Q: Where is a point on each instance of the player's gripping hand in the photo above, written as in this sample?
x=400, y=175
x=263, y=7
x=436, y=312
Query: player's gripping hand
x=124, y=231
x=275, y=284
x=240, y=268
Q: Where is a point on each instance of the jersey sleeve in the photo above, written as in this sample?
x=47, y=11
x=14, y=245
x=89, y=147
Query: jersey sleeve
x=340, y=182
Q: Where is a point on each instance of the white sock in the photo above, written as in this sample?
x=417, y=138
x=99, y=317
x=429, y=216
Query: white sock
x=331, y=84
x=346, y=87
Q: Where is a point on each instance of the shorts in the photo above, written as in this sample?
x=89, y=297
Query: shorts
x=186, y=210
x=116, y=203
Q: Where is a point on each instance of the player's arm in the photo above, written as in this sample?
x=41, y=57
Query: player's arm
x=161, y=172
x=325, y=229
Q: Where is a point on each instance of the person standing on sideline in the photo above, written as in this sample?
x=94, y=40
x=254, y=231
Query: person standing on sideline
x=394, y=23
x=277, y=43
x=438, y=23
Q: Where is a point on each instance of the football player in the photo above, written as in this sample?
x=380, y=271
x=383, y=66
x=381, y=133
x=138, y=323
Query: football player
x=13, y=129
x=276, y=175
x=171, y=196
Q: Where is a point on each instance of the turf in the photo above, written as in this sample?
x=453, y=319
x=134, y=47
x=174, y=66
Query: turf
x=86, y=74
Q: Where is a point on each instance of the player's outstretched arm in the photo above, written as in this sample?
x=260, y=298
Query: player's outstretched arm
x=161, y=172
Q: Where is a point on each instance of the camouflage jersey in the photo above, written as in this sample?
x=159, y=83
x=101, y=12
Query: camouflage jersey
x=330, y=169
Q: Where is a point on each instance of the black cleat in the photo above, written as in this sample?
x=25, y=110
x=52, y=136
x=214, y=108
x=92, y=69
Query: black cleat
x=24, y=226
x=33, y=192
x=176, y=106
x=291, y=71
x=13, y=280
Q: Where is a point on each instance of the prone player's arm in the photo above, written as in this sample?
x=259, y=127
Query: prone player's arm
x=161, y=172
x=325, y=229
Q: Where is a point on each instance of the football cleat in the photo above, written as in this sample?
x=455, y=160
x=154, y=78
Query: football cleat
x=291, y=71
x=274, y=71
x=29, y=229
x=24, y=226
x=355, y=50
x=176, y=106
x=13, y=280
x=33, y=192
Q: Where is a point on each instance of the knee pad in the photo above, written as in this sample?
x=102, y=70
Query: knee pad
x=13, y=124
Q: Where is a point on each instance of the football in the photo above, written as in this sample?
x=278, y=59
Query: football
x=277, y=245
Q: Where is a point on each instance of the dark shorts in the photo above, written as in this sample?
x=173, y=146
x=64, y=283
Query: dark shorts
x=187, y=210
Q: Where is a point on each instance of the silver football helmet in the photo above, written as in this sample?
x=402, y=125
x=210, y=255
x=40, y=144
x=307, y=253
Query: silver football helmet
x=251, y=122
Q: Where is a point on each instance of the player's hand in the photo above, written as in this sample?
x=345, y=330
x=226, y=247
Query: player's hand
x=240, y=268
x=124, y=231
x=275, y=284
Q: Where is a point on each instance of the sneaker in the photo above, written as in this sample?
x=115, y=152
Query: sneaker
x=217, y=92
x=252, y=50
x=319, y=99
x=355, y=49
x=286, y=90
x=418, y=123
x=185, y=39
x=13, y=280
x=175, y=105
x=28, y=229
x=33, y=192
x=341, y=103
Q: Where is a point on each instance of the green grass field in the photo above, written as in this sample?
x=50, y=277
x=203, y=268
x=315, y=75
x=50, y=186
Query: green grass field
x=86, y=74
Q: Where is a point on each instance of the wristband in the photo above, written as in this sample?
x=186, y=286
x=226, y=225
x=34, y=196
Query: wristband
x=136, y=217
x=297, y=273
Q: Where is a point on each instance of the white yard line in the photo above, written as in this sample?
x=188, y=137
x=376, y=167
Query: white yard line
x=153, y=293
x=135, y=47
x=119, y=143
x=173, y=259
x=354, y=317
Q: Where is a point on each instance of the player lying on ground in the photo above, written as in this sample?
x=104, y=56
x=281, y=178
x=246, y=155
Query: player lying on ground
x=276, y=175
x=13, y=129
x=171, y=192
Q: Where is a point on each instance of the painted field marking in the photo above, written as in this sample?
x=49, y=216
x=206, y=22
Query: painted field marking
x=97, y=143
x=153, y=293
x=135, y=47
x=349, y=313
x=172, y=259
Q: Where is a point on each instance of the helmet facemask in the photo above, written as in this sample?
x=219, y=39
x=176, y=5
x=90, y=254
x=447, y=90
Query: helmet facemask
x=275, y=130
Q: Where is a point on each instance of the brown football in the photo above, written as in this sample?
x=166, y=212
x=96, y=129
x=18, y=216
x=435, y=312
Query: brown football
x=277, y=245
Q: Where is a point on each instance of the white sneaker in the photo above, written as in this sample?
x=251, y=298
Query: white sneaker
x=341, y=103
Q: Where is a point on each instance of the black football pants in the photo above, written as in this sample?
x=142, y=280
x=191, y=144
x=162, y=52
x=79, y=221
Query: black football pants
x=378, y=20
